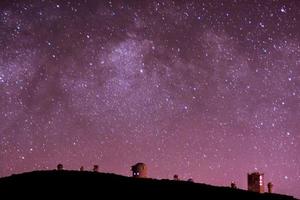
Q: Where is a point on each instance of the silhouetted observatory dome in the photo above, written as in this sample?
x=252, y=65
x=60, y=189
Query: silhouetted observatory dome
x=139, y=170
x=59, y=167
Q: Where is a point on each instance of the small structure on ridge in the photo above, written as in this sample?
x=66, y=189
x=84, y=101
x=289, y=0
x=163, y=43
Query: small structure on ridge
x=139, y=170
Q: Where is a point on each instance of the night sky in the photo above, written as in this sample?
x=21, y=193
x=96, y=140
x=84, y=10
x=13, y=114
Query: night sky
x=208, y=90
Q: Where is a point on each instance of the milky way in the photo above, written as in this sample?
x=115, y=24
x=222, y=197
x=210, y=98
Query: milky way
x=208, y=90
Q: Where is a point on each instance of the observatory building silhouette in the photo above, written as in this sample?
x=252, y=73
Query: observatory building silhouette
x=270, y=187
x=60, y=167
x=139, y=170
x=256, y=182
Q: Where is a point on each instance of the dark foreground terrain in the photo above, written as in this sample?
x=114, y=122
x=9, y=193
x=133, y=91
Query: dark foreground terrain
x=93, y=185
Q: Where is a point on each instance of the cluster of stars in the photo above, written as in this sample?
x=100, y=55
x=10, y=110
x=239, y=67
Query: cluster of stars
x=209, y=90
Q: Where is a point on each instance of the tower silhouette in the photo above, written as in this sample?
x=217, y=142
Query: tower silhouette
x=256, y=182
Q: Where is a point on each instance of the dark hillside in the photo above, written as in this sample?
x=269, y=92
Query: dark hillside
x=55, y=184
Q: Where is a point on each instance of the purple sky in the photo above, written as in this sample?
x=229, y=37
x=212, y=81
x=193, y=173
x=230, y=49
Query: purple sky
x=208, y=90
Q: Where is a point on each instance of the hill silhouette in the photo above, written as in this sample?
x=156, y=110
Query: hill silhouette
x=75, y=184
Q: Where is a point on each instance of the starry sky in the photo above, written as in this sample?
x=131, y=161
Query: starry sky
x=208, y=90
